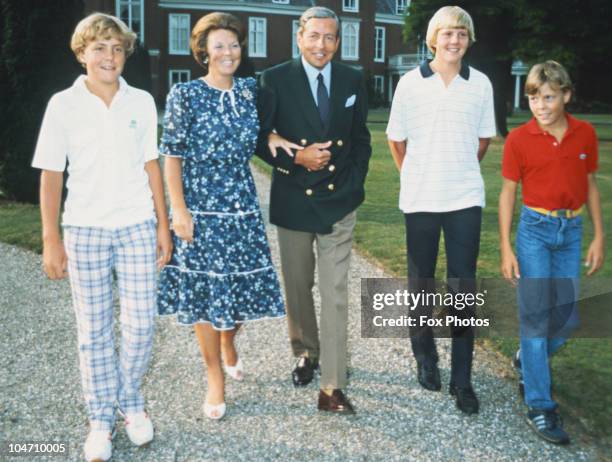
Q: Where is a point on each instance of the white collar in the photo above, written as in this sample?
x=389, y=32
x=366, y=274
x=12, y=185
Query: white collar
x=313, y=73
x=79, y=85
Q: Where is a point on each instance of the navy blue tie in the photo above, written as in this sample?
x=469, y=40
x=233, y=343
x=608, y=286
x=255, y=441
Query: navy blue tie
x=322, y=101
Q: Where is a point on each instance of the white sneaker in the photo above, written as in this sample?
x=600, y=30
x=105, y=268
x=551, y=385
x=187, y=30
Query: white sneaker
x=139, y=428
x=98, y=446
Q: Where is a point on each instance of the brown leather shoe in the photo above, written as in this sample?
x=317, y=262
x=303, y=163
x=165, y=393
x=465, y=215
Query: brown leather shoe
x=337, y=402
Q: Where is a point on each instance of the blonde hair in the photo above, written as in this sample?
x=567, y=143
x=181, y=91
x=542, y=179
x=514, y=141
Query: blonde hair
x=549, y=72
x=449, y=17
x=101, y=26
x=207, y=24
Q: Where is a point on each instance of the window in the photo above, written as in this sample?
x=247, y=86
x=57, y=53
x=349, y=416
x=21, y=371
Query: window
x=295, y=51
x=178, y=76
x=350, y=40
x=257, y=37
x=350, y=5
x=379, y=85
x=379, y=44
x=401, y=6
x=131, y=12
x=284, y=2
x=178, y=34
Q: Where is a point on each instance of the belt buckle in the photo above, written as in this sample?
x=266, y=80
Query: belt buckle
x=566, y=213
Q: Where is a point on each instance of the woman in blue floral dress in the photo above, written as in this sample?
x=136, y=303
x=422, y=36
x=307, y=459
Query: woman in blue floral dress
x=221, y=272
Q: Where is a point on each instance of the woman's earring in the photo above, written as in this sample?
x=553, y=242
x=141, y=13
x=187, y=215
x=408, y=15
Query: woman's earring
x=206, y=60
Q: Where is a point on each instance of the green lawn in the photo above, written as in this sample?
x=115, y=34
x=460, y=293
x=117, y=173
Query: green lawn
x=522, y=116
x=602, y=122
x=582, y=370
x=20, y=225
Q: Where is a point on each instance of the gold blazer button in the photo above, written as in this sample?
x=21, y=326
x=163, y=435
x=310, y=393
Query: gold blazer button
x=303, y=142
x=340, y=143
x=330, y=186
x=331, y=167
x=309, y=192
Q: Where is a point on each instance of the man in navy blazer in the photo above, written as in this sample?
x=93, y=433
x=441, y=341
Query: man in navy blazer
x=321, y=106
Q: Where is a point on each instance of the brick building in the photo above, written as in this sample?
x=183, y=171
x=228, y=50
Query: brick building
x=371, y=35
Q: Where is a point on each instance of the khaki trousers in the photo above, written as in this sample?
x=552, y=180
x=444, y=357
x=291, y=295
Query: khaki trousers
x=298, y=267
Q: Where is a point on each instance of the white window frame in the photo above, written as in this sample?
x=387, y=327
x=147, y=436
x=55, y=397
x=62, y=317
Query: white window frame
x=295, y=25
x=254, y=51
x=347, y=53
x=129, y=21
x=380, y=40
x=379, y=85
x=350, y=9
x=401, y=6
x=187, y=72
x=177, y=18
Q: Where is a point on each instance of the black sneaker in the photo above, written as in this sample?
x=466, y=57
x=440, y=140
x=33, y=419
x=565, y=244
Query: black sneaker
x=465, y=398
x=516, y=363
x=548, y=425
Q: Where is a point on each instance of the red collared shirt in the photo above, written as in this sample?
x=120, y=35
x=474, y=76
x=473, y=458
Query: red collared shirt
x=553, y=174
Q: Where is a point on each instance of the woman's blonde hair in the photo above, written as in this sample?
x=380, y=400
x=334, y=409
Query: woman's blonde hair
x=207, y=24
x=550, y=72
x=449, y=17
x=98, y=26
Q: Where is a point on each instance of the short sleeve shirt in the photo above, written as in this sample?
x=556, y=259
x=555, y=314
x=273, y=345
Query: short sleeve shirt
x=442, y=126
x=104, y=150
x=553, y=174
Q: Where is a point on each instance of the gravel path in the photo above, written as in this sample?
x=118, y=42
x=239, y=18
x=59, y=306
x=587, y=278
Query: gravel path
x=268, y=419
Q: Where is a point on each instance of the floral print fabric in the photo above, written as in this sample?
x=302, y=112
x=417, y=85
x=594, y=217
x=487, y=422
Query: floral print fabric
x=226, y=274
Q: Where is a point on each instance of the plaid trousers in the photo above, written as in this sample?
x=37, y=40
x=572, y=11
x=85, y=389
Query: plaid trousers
x=92, y=255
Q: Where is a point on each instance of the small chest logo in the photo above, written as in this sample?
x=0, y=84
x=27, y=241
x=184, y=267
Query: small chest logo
x=583, y=156
x=133, y=123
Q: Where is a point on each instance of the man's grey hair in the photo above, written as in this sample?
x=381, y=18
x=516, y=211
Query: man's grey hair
x=318, y=12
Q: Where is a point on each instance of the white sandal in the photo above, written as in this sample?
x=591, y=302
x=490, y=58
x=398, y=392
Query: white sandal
x=236, y=371
x=214, y=411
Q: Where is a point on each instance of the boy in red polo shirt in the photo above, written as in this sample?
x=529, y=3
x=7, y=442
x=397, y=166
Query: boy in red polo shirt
x=554, y=155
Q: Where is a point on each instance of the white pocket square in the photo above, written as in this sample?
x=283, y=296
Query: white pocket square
x=350, y=101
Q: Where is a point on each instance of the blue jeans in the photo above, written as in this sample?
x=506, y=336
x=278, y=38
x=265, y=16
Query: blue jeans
x=548, y=252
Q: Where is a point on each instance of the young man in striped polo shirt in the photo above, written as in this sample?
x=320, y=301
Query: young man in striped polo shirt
x=439, y=129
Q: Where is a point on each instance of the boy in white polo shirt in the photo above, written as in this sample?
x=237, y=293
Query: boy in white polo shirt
x=107, y=132
x=439, y=129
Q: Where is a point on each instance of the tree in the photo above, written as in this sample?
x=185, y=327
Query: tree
x=573, y=33
x=534, y=31
x=492, y=51
x=35, y=62
x=137, y=71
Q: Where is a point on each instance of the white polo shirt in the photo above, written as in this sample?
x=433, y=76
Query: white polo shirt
x=441, y=125
x=106, y=149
